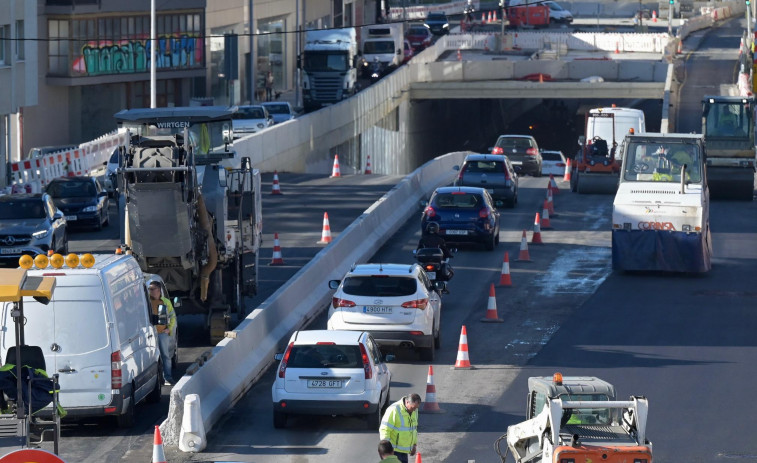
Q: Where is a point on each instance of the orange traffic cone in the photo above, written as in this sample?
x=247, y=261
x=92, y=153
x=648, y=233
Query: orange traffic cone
x=523, y=255
x=617, y=47
x=326, y=234
x=504, y=278
x=418, y=458
x=549, y=201
x=545, y=224
x=566, y=177
x=494, y=16
x=158, y=454
x=276, y=187
x=430, y=405
x=277, y=258
x=491, y=308
x=483, y=17
x=553, y=185
x=679, y=50
x=654, y=16
x=489, y=19
x=368, y=166
x=463, y=362
x=459, y=55
x=335, y=171
x=536, y=237
x=541, y=78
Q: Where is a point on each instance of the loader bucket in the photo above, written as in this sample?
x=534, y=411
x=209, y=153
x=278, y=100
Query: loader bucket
x=588, y=183
x=158, y=220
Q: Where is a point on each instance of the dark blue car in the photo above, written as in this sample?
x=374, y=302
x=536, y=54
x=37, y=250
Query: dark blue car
x=464, y=214
x=82, y=200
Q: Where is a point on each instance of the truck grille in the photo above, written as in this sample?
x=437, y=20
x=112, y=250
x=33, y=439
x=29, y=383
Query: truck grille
x=327, y=88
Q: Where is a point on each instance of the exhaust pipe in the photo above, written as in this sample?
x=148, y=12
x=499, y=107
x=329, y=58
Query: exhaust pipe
x=208, y=268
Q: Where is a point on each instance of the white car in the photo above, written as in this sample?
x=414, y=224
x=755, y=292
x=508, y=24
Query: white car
x=250, y=119
x=397, y=303
x=331, y=373
x=553, y=162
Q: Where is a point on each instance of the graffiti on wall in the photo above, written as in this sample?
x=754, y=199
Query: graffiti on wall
x=127, y=56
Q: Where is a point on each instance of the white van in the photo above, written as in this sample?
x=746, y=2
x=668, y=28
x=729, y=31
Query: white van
x=96, y=333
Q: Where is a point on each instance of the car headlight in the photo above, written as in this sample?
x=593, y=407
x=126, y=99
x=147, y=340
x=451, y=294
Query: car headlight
x=446, y=26
x=40, y=234
x=90, y=209
x=260, y=125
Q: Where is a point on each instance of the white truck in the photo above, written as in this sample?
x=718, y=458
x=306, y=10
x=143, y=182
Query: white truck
x=329, y=65
x=383, y=42
x=661, y=212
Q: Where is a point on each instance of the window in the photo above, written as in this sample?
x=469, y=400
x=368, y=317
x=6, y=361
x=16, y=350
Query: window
x=20, y=40
x=57, y=47
x=5, y=45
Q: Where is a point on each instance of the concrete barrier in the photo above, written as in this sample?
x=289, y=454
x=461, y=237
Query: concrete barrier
x=236, y=363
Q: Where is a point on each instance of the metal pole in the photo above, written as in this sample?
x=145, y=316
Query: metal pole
x=298, y=52
x=153, y=64
x=251, y=77
x=748, y=41
x=670, y=19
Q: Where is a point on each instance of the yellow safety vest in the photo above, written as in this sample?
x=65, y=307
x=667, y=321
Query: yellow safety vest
x=400, y=427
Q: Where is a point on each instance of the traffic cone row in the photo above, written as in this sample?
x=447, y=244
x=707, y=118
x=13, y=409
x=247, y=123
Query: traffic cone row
x=277, y=257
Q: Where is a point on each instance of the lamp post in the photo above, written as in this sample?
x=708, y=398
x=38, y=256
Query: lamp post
x=670, y=17
x=153, y=64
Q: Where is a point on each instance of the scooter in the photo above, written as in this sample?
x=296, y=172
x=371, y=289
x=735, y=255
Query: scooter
x=436, y=265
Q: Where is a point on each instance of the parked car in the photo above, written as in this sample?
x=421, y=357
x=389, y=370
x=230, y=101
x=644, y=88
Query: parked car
x=408, y=51
x=250, y=119
x=281, y=111
x=82, y=200
x=558, y=14
x=553, y=163
x=523, y=152
x=437, y=23
x=493, y=172
x=464, y=214
x=331, y=372
x=30, y=224
x=396, y=303
x=419, y=37
x=42, y=151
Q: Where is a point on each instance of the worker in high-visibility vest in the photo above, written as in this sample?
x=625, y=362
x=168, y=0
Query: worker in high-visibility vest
x=400, y=426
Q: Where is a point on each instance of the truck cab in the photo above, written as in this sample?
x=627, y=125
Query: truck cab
x=383, y=42
x=329, y=65
x=542, y=389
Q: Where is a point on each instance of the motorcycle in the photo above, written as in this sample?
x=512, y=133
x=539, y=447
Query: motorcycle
x=375, y=70
x=437, y=267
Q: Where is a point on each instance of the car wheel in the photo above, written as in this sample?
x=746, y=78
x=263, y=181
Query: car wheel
x=154, y=396
x=427, y=353
x=127, y=419
x=490, y=243
x=99, y=225
x=279, y=419
x=388, y=400
x=496, y=239
x=107, y=218
x=64, y=245
x=574, y=181
x=538, y=172
x=438, y=339
x=373, y=419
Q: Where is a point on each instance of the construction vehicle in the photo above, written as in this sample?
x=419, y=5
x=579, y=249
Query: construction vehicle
x=192, y=208
x=329, y=67
x=661, y=212
x=578, y=419
x=728, y=128
x=596, y=166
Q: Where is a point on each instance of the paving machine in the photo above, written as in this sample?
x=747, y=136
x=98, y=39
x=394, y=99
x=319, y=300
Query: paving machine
x=728, y=128
x=192, y=208
x=597, y=164
x=578, y=419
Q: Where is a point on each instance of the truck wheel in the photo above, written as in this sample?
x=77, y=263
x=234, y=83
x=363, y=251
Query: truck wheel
x=127, y=419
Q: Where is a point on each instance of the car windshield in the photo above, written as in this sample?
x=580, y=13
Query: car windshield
x=249, y=113
x=325, y=356
x=71, y=189
x=22, y=209
x=417, y=31
x=278, y=108
x=381, y=285
x=514, y=143
x=486, y=167
x=436, y=17
x=649, y=161
x=601, y=415
x=457, y=200
x=316, y=61
x=383, y=46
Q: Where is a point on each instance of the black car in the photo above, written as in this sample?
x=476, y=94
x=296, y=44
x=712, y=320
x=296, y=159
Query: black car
x=82, y=200
x=492, y=172
x=464, y=214
x=437, y=23
x=30, y=224
x=522, y=151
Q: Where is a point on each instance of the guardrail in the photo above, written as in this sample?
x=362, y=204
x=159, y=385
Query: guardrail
x=236, y=363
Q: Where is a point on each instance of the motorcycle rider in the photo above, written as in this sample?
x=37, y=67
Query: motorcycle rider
x=431, y=239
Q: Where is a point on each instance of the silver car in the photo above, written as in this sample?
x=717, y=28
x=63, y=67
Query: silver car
x=281, y=111
x=30, y=224
x=250, y=119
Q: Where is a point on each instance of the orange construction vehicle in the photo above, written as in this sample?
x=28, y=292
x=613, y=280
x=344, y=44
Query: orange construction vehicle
x=578, y=419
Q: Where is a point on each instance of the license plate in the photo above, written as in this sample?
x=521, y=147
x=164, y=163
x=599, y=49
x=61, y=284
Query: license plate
x=10, y=250
x=457, y=232
x=325, y=383
x=431, y=275
x=379, y=309
x=516, y=163
x=70, y=217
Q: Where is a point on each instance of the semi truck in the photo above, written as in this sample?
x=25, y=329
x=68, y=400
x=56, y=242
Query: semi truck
x=596, y=166
x=728, y=128
x=578, y=418
x=383, y=43
x=329, y=67
x=191, y=208
x=661, y=212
